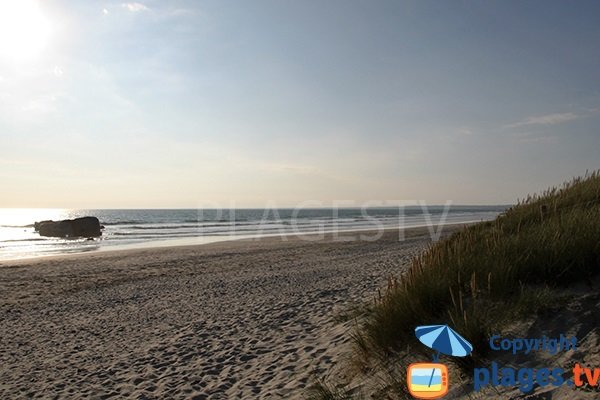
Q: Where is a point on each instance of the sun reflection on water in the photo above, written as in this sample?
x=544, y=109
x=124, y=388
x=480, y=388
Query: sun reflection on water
x=23, y=217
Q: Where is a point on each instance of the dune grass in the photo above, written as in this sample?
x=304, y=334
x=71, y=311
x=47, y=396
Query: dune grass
x=488, y=274
x=321, y=391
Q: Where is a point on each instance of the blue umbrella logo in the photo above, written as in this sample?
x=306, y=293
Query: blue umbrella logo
x=444, y=340
x=431, y=380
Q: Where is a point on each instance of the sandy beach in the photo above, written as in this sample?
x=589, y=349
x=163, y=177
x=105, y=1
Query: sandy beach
x=240, y=319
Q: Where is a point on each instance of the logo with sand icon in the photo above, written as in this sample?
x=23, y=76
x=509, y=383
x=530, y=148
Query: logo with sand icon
x=430, y=380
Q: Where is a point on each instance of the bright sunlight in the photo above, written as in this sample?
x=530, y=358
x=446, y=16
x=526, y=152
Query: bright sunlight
x=24, y=30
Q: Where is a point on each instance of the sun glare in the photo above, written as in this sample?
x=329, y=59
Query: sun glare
x=24, y=29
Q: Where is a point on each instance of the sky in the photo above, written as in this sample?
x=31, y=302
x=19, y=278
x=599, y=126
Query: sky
x=183, y=104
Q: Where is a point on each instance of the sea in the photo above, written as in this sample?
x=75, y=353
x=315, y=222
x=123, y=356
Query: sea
x=132, y=228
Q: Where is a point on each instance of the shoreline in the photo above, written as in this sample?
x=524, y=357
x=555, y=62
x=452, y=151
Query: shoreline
x=193, y=241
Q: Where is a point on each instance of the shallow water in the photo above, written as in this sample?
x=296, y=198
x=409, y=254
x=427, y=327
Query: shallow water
x=143, y=228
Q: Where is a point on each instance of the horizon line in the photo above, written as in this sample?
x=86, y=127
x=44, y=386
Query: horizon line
x=259, y=208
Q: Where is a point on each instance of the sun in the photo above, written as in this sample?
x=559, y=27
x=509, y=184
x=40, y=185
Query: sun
x=24, y=29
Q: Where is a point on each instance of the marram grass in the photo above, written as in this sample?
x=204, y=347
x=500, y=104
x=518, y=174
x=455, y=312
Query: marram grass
x=488, y=274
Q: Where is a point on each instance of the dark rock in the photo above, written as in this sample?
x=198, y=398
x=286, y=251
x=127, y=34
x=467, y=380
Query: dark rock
x=37, y=225
x=78, y=227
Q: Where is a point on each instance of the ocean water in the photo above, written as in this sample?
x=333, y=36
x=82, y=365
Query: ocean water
x=149, y=228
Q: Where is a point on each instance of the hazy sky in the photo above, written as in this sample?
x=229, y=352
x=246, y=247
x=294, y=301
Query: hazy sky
x=180, y=103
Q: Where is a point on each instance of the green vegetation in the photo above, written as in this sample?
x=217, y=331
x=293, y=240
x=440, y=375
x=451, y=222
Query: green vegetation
x=486, y=275
x=479, y=280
